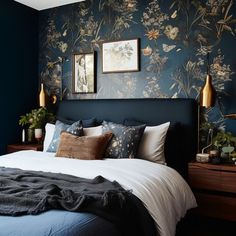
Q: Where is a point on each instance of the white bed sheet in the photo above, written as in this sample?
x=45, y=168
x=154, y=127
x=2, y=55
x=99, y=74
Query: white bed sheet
x=163, y=191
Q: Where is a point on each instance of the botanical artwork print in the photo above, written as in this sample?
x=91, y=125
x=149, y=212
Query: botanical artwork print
x=175, y=37
x=120, y=56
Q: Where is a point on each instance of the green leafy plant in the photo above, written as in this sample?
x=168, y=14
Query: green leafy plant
x=37, y=118
x=224, y=139
x=225, y=142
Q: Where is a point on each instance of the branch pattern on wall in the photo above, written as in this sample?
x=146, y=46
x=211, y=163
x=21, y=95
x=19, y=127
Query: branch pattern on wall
x=175, y=38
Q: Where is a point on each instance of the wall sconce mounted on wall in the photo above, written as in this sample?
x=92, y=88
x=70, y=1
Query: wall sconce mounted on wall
x=207, y=100
x=208, y=93
x=44, y=99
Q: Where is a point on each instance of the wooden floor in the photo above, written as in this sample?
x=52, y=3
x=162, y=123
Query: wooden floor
x=200, y=226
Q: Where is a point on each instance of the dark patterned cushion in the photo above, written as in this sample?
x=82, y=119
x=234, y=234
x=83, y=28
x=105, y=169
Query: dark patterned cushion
x=76, y=129
x=125, y=141
x=86, y=123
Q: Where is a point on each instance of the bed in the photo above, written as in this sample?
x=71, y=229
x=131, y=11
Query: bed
x=164, y=194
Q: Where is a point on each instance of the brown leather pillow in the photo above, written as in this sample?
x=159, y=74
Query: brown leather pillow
x=85, y=147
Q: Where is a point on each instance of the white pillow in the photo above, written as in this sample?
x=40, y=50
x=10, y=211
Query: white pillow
x=151, y=146
x=49, y=129
x=93, y=131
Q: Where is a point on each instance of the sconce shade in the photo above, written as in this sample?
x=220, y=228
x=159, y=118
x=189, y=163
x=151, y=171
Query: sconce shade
x=42, y=97
x=207, y=93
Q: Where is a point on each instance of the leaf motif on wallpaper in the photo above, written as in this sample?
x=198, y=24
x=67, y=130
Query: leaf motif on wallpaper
x=225, y=23
x=201, y=39
x=168, y=48
x=64, y=33
x=185, y=77
x=174, y=14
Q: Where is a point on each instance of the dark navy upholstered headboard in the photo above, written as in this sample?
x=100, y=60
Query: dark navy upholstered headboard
x=181, y=143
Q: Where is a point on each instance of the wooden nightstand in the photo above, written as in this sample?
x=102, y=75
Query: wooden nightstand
x=214, y=187
x=19, y=147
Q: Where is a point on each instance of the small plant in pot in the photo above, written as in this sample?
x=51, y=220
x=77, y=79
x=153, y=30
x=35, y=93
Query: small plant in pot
x=225, y=143
x=35, y=122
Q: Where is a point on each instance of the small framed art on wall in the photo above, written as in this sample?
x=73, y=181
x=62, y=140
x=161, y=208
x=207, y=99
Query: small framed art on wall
x=83, y=73
x=121, y=56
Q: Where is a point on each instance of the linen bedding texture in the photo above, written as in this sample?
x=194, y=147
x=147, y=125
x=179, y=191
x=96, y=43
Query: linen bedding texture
x=66, y=192
x=130, y=140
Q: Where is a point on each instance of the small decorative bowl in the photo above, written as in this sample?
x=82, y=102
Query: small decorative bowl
x=202, y=157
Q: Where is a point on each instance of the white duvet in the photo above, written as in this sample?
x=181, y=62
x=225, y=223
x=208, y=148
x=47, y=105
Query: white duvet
x=162, y=190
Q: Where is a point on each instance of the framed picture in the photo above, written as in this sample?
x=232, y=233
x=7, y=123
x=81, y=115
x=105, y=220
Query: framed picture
x=83, y=78
x=121, y=56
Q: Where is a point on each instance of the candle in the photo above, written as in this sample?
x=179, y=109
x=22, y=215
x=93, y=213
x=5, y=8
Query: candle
x=23, y=135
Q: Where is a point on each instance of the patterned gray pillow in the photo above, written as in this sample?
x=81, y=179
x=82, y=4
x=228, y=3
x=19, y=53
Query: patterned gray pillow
x=76, y=129
x=125, y=141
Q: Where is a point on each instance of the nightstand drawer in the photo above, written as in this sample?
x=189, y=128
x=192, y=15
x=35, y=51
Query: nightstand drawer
x=215, y=189
x=216, y=179
x=228, y=181
x=223, y=207
x=204, y=179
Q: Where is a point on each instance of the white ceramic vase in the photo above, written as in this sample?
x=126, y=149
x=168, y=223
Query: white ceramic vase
x=38, y=134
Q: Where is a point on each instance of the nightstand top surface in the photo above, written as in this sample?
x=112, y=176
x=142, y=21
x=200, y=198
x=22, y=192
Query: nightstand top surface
x=222, y=166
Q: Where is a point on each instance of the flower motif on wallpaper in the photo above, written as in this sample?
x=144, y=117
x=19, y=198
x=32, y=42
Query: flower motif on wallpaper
x=153, y=20
x=52, y=34
x=156, y=63
x=152, y=88
x=153, y=34
x=85, y=30
x=203, y=50
x=171, y=32
x=147, y=51
x=123, y=10
x=220, y=72
x=62, y=46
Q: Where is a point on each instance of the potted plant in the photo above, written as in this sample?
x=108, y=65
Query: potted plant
x=225, y=143
x=35, y=122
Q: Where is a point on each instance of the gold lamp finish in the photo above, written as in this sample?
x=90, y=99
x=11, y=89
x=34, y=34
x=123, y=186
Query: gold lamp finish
x=207, y=93
x=42, y=97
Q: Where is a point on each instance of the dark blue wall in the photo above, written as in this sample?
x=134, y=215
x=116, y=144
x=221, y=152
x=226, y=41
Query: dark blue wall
x=18, y=63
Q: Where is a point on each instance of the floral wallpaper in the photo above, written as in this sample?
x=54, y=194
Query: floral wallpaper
x=175, y=38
